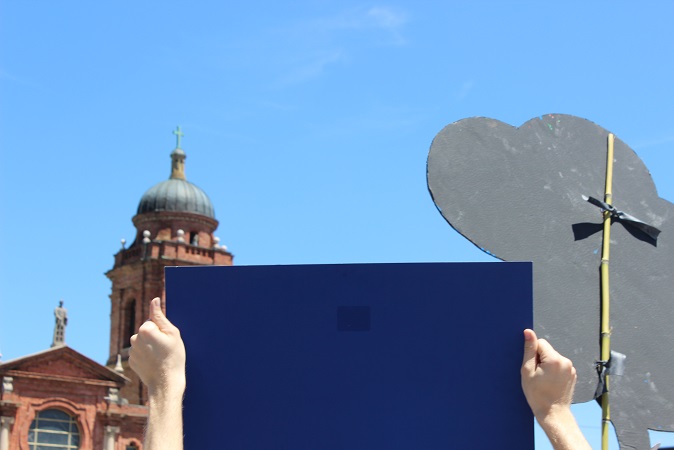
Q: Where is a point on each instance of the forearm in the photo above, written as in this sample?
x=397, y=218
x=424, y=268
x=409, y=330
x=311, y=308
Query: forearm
x=563, y=431
x=165, y=421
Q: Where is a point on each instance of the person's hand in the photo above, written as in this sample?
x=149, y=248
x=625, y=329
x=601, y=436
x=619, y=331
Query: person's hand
x=548, y=378
x=157, y=354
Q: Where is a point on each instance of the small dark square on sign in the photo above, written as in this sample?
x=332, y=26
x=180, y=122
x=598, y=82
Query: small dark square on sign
x=353, y=318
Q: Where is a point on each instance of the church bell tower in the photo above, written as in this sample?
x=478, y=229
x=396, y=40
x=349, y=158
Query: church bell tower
x=174, y=224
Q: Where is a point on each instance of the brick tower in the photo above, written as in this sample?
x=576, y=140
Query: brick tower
x=174, y=227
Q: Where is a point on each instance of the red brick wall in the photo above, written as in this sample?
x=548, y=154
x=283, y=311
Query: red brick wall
x=80, y=398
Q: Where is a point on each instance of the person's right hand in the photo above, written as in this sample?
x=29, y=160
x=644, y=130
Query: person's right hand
x=157, y=354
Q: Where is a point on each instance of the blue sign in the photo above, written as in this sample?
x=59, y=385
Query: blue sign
x=355, y=356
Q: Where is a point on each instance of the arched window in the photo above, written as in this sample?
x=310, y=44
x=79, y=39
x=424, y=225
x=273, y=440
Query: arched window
x=132, y=446
x=53, y=429
x=128, y=323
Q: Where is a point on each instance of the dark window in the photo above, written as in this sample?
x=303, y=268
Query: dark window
x=53, y=429
x=129, y=322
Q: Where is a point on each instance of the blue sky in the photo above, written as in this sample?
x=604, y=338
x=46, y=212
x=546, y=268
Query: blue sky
x=308, y=124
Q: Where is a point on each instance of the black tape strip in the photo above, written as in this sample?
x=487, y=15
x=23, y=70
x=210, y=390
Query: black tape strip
x=649, y=230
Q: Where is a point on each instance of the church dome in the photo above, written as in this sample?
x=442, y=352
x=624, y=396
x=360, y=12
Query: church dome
x=176, y=194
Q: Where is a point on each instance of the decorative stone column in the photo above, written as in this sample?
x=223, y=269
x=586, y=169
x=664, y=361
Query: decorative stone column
x=5, y=423
x=109, y=440
x=7, y=384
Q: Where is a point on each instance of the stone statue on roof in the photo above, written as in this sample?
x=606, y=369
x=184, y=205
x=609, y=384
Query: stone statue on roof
x=61, y=315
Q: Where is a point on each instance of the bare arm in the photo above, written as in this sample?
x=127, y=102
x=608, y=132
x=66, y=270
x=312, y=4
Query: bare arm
x=548, y=381
x=157, y=355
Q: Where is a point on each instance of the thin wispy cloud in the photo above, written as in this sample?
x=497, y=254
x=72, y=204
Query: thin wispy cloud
x=301, y=50
x=465, y=89
x=6, y=76
x=313, y=66
x=378, y=18
x=283, y=107
x=654, y=142
x=387, y=17
x=326, y=42
x=375, y=17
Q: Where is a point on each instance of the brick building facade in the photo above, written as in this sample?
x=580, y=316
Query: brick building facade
x=62, y=400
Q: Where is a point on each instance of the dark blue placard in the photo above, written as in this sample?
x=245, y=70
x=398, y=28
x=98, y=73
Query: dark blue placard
x=357, y=356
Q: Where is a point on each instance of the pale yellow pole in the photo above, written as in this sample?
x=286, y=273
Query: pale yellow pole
x=605, y=293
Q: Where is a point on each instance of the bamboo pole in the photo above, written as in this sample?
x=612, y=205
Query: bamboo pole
x=605, y=293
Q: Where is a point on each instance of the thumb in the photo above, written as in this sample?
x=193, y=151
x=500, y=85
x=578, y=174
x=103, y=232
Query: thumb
x=546, y=350
x=157, y=315
x=530, y=350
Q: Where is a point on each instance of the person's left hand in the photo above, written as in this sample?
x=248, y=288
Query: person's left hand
x=157, y=354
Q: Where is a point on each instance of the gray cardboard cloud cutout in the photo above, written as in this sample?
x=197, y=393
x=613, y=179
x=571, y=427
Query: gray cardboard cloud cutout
x=517, y=193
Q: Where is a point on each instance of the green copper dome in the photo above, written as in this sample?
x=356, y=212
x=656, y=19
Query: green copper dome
x=176, y=194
